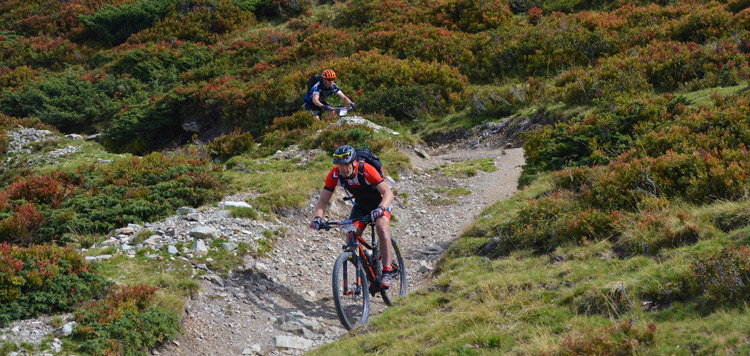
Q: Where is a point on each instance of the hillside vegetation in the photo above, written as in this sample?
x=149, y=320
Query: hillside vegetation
x=630, y=236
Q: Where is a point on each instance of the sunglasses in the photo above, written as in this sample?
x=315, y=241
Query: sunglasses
x=343, y=156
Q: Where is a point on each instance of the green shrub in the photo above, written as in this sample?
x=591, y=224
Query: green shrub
x=30, y=55
x=729, y=216
x=702, y=23
x=654, y=230
x=470, y=15
x=327, y=43
x=197, y=21
x=74, y=101
x=126, y=191
x=126, y=322
x=145, y=126
x=232, y=144
x=334, y=136
x=424, y=42
x=723, y=277
x=289, y=130
x=114, y=24
x=494, y=102
x=465, y=15
x=160, y=64
x=43, y=279
x=22, y=225
x=410, y=84
x=547, y=223
x=403, y=103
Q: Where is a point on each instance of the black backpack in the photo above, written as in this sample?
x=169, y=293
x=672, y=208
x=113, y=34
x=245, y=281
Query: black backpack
x=364, y=155
x=314, y=79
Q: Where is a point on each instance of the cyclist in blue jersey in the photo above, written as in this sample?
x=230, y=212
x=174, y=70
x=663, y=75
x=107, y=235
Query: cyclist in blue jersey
x=315, y=99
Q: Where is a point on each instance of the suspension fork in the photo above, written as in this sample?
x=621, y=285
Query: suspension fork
x=352, y=247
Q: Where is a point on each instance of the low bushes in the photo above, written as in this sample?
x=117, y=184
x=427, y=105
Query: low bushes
x=662, y=65
x=547, y=223
x=74, y=101
x=724, y=276
x=615, y=339
x=231, y=144
x=114, y=24
x=99, y=198
x=127, y=321
x=44, y=279
x=421, y=87
x=290, y=130
x=196, y=21
x=493, y=102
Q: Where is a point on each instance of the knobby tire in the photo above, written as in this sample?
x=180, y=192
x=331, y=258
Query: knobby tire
x=353, y=309
x=398, y=289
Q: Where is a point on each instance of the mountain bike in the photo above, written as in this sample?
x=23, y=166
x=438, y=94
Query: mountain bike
x=357, y=272
x=341, y=111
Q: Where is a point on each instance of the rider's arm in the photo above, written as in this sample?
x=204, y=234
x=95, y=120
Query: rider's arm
x=325, y=197
x=344, y=98
x=316, y=100
x=387, y=194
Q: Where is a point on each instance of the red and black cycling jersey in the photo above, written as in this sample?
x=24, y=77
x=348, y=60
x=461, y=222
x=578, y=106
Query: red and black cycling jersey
x=367, y=194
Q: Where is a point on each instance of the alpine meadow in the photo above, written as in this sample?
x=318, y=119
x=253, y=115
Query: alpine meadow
x=629, y=233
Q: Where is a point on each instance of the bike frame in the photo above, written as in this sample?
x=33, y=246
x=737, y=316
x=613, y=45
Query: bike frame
x=358, y=246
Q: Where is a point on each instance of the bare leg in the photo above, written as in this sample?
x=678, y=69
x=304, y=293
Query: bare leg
x=384, y=234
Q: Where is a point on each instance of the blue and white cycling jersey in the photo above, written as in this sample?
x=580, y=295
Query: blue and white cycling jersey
x=321, y=89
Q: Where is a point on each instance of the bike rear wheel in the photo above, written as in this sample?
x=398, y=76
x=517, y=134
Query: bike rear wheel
x=350, y=291
x=398, y=288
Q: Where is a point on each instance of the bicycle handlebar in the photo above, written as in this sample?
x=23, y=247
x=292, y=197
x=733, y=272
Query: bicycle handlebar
x=328, y=225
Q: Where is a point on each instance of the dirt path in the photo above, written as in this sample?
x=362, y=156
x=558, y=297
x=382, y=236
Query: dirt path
x=286, y=297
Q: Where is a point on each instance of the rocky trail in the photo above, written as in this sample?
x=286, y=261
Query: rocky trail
x=282, y=304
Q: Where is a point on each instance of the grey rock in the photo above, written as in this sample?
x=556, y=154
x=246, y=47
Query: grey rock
x=291, y=342
x=153, y=240
x=204, y=232
x=432, y=250
x=238, y=204
x=222, y=214
x=98, y=258
x=65, y=330
x=216, y=279
x=252, y=350
x=186, y=209
x=424, y=267
x=421, y=153
x=198, y=246
x=194, y=217
x=172, y=250
x=228, y=246
x=110, y=242
x=125, y=231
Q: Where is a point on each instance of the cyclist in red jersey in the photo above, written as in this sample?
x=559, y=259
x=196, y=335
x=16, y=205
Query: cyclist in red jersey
x=373, y=198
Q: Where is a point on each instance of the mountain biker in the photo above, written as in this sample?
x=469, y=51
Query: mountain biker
x=315, y=98
x=374, y=199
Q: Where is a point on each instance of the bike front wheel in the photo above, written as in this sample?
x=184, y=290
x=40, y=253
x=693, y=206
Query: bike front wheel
x=398, y=289
x=350, y=291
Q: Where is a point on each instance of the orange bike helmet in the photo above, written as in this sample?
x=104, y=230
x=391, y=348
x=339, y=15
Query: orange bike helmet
x=329, y=74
